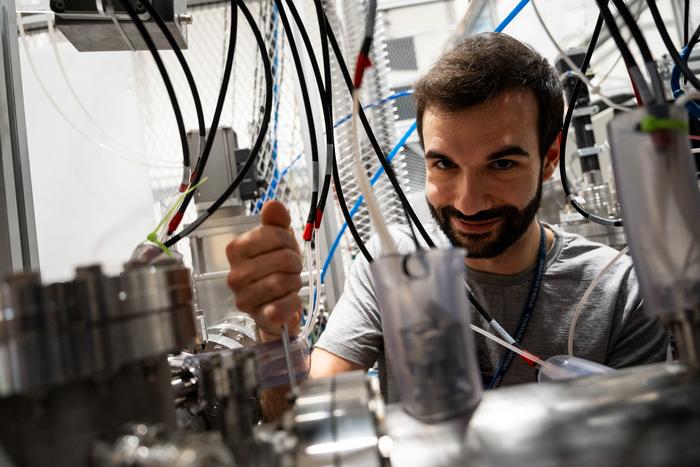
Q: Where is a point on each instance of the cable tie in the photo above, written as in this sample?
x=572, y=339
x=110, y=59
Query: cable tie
x=308, y=232
x=649, y=124
x=153, y=237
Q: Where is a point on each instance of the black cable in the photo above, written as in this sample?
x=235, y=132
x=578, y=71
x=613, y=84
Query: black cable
x=328, y=98
x=565, y=132
x=259, y=140
x=131, y=11
x=309, y=115
x=686, y=21
x=375, y=144
x=202, y=161
x=183, y=63
x=328, y=119
x=657, y=83
x=682, y=65
x=633, y=69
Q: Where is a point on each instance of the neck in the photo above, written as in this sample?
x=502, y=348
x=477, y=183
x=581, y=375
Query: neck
x=519, y=257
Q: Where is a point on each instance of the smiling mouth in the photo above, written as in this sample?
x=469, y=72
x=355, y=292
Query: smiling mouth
x=474, y=227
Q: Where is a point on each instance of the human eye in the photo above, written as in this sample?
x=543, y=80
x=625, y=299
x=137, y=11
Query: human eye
x=443, y=164
x=503, y=164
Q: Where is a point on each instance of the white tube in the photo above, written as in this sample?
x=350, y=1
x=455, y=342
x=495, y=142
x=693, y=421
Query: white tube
x=584, y=299
x=388, y=245
x=32, y=66
x=523, y=353
x=315, y=294
x=593, y=89
x=54, y=45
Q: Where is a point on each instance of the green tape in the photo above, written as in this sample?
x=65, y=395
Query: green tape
x=153, y=236
x=650, y=124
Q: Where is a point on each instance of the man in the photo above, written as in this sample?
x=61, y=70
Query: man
x=489, y=116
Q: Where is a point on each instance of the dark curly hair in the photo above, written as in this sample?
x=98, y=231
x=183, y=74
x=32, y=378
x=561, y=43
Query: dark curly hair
x=482, y=67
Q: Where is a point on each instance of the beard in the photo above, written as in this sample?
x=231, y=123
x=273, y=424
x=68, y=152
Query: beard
x=514, y=223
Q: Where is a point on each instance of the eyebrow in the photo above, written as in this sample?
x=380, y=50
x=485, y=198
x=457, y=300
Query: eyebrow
x=508, y=151
x=436, y=155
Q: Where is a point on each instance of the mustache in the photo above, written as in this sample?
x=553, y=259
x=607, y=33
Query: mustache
x=447, y=212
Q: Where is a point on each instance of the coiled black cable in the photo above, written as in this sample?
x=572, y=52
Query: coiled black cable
x=657, y=83
x=673, y=52
x=328, y=98
x=258, y=141
x=565, y=131
x=202, y=161
x=183, y=63
x=131, y=11
x=307, y=109
x=633, y=69
x=328, y=119
x=375, y=144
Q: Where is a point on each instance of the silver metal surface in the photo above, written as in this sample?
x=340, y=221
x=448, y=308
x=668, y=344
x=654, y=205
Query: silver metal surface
x=152, y=446
x=94, y=324
x=93, y=27
x=645, y=416
x=19, y=251
x=218, y=390
x=418, y=444
x=337, y=421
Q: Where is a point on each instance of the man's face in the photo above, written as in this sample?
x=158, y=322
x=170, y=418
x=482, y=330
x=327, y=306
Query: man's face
x=484, y=171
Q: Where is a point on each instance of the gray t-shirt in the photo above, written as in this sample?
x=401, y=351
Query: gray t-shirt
x=612, y=330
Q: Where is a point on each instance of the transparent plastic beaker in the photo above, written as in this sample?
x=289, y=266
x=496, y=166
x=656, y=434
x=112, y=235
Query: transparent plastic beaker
x=425, y=320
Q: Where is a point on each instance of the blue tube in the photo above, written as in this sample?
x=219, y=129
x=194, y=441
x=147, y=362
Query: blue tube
x=506, y=21
x=693, y=107
x=346, y=118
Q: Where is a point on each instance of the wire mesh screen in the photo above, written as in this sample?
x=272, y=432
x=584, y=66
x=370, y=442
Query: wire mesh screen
x=208, y=37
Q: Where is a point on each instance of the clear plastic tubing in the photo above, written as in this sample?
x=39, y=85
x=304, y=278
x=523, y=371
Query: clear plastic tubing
x=272, y=365
x=566, y=367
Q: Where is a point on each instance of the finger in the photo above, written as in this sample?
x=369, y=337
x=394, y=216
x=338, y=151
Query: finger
x=272, y=316
x=285, y=260
x=274, y=213
x=267, y=290
x=260, y=240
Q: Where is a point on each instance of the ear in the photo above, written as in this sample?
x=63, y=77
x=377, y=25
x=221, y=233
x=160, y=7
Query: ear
x=551, y=159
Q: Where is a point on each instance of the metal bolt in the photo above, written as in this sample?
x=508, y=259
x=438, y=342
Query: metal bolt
x=184, y=19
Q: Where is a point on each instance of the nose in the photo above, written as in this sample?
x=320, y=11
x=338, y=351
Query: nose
x=472, y=194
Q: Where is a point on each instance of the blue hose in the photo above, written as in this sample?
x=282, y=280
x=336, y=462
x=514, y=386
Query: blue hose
x=693, y=107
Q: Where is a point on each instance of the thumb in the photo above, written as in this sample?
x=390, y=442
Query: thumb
x=274, y=213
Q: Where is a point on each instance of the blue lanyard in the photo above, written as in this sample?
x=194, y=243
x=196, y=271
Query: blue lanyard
x=507, y=359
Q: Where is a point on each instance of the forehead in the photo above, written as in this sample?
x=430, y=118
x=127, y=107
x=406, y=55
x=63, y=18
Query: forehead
x=511, y=118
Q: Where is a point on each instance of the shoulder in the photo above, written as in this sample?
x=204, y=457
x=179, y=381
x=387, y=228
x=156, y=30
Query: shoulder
x=578, y=254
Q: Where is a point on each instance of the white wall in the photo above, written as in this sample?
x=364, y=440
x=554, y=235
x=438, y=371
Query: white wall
x=90, y=206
